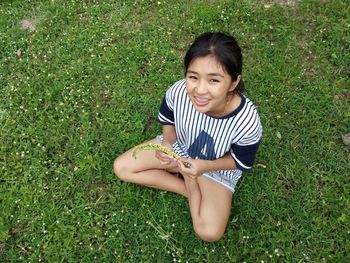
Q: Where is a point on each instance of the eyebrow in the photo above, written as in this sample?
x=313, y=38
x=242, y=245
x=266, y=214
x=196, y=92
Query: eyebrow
x=210, y=74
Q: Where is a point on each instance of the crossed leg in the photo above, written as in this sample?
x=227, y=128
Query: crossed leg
x=210, y=202
x=210, y=207
x=147, y=170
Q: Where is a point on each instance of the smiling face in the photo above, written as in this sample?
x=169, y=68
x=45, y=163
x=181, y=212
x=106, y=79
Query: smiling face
x=209, y=85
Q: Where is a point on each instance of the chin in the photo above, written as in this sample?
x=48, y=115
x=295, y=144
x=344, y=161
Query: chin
x=204, y=110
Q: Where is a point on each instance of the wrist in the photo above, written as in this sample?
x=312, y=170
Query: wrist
x=202, y=166
x=166, y=142
x=207, y=165
x=224, y=163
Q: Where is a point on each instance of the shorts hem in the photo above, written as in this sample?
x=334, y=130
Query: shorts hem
x=217, y=181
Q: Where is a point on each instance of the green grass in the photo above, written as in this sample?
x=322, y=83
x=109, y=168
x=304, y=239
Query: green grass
x=86, y=86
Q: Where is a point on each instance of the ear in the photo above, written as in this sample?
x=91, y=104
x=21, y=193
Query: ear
x=235, y=83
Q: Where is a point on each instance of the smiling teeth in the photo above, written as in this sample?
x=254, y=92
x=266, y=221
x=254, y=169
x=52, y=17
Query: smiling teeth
x=201, y=100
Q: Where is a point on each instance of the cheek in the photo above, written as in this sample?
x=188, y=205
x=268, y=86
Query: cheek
x=219, y=92
x=189, y=86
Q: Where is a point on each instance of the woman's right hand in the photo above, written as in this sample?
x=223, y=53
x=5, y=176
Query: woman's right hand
x=166, y=160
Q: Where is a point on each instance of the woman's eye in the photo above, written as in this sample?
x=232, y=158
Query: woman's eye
x=214, y=81
x=192, y=77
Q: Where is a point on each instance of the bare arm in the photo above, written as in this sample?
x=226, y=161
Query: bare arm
x=224, y=163
x=169, y=134
x=169, y=137
x=199, y=167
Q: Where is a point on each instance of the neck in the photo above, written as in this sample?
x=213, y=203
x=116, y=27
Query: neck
x=226, y=109
x=232, y=102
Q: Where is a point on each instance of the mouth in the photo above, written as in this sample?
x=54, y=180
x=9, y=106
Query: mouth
x=200, y=101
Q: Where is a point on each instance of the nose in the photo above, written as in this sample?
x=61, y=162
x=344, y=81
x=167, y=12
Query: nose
x=201, y=87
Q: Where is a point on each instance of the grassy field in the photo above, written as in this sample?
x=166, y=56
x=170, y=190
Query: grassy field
x=81, y=82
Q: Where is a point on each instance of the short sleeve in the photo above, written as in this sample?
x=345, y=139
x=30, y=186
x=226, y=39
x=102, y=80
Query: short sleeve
x=244, y=155
x=165, y=115
x=244, y=151
x=166, y=111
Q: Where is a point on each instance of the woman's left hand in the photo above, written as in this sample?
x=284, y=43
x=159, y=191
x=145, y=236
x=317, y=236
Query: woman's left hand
x=194, y=169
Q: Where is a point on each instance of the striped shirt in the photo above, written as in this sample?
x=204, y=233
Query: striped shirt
x=200, y=136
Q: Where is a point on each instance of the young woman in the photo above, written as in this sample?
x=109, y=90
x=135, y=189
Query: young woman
x=212, y=126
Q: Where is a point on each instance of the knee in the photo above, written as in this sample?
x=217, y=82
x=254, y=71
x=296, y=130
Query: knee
x=120, y=169
x=209, y=232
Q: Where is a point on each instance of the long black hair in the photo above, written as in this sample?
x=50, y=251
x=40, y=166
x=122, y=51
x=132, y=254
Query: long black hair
x=224, y=48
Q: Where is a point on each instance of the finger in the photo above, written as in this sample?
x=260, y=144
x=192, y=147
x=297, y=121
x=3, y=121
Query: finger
x=183, y=170
x=164, y=156
x=167, y=160
x=164, y=163
x=160, y=154
x=180, y=165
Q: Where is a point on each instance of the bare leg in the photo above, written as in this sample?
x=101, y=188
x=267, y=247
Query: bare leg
x=210, y=202
x=210, y=207
x=147, y=170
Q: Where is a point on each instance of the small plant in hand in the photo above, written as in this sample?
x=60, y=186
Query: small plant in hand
x=158, y=147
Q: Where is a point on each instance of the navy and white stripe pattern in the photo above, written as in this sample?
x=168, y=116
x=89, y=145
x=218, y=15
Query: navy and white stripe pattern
x=228, y=178
x=200, y=136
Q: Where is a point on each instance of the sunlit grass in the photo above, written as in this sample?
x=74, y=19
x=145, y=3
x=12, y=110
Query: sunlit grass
x=82, y=83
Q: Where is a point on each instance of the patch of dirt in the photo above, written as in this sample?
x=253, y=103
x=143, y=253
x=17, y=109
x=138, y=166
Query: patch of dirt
x=105, y=94
x=27, y=24
x=346, y=139
x=30, y=24
x=284, y=3
x=343, y=97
